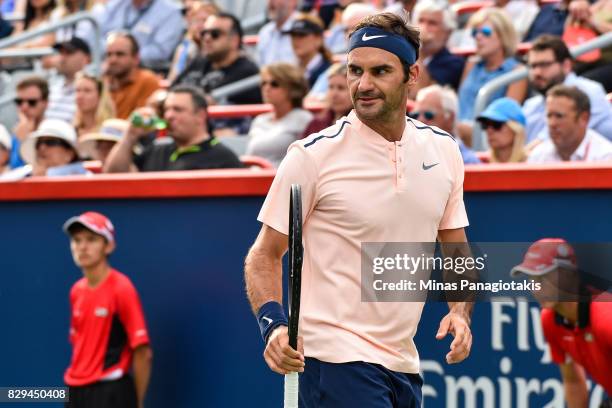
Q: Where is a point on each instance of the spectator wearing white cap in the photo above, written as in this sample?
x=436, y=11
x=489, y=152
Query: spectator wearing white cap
x=49, y=151
x=5, y=149
x=97, y=145
x=31, y=101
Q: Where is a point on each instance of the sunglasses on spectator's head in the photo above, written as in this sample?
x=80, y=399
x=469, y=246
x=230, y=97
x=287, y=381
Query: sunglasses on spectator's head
x=487, y=123
x=32, y=102
x=273, y=83
x=428, y=115
x=487, y=31
x=213, y=32
x=51, y=142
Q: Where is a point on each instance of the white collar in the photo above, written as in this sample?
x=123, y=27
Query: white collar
x=582, y=151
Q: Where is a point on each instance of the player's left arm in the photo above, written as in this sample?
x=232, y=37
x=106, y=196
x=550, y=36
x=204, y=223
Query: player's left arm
x=132, y=316
x=142, y=362
x=457, y=321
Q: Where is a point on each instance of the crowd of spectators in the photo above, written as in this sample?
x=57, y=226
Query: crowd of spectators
x=162, y=60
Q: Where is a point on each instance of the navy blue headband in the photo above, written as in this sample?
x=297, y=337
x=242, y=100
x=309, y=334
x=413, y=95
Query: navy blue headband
x=377, y=38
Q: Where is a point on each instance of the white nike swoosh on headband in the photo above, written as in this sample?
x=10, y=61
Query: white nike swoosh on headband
x=366, y=38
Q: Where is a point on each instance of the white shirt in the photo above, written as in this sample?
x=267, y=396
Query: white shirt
x=62, y=103
x=273, y=45
x=270, y=138
x=594, y=148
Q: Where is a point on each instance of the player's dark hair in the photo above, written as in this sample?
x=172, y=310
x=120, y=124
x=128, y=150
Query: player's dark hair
x=581, y=100
x=553, y=43
x=76, y=228
x=395, y=24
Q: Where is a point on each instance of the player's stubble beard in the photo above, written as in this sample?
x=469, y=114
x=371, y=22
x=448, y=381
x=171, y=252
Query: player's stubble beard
x=391, y=103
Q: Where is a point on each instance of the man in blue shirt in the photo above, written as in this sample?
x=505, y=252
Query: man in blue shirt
x=157, y=25
x=436, y=24
x=274, y=45
x=550, y=63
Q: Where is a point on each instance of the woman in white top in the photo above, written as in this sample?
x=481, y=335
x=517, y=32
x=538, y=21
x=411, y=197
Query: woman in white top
x=283, y=86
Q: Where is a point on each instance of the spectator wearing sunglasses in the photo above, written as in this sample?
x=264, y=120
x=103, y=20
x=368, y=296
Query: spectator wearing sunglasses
x=307, y=41
x=221, y=60
x=437, y=106
x=130, y=85
x=284, y=87
x=436, y=22
x=504, y=123
x=51, y=150
x=196, y=14
x=496, y=42
x=32, y=101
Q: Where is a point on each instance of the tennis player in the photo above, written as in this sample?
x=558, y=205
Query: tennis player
x=374, y=176
x=107, y=328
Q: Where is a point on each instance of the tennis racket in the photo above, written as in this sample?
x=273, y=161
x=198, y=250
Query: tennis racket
x=296, y=253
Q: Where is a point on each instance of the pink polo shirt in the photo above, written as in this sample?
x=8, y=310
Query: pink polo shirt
x=358, y=187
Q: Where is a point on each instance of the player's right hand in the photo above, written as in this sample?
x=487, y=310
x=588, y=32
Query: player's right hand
x=280, y=356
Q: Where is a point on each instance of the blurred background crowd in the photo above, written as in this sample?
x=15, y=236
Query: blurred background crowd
x=154, y=85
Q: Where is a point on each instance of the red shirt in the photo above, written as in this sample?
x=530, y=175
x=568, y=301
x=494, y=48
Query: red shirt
x=107, y=324
x=590, y=345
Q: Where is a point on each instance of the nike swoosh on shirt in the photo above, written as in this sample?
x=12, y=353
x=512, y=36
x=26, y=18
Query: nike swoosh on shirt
x=366, y=38
x=426, y=167
x=267, y=319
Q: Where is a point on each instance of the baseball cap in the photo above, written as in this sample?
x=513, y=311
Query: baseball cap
x=544, y=256
x=73, y=44
x=304, y=26
x=93, y=221
x=112, y=130
x=48, y=128
x=503, y=110
x=5, y=138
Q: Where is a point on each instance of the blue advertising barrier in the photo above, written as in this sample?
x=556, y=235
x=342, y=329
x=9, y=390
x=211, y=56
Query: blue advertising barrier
x=185, y=255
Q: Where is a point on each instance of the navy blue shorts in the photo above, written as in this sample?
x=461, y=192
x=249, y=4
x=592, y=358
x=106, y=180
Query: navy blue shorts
x=357, y=384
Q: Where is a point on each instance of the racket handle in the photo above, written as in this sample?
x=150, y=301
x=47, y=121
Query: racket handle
x=292, y=386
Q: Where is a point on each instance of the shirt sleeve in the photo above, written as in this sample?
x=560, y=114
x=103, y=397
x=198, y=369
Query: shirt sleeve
x=168, y=33
x=548, y=325
x=132, y=316
x=601, y=321
x=454, y=214
x=296, y=168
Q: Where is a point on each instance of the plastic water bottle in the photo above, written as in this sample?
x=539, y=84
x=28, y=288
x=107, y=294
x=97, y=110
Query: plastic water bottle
x=148, y=122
